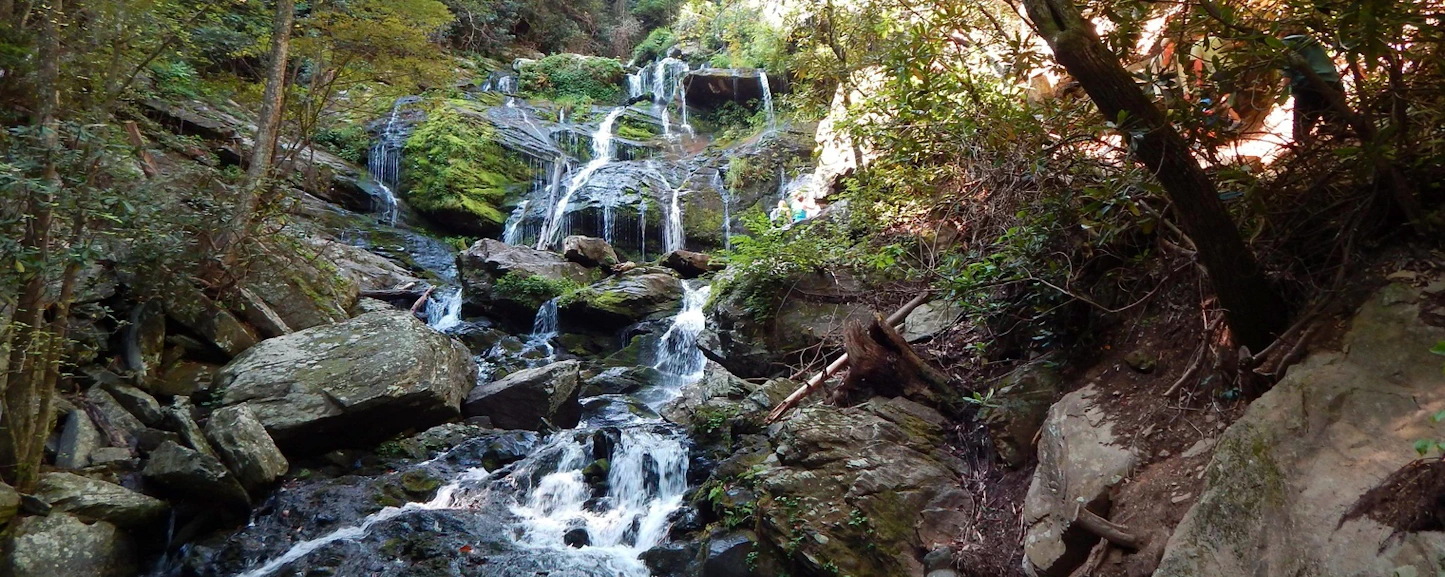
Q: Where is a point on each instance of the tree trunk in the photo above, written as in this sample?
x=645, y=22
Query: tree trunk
x=268, y=127
x=881, y=363
x=1255, y=313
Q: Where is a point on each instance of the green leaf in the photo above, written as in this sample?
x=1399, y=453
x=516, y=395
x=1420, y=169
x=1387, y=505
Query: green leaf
x=1438, y=417
x=1439, y=348
x=1422, y=446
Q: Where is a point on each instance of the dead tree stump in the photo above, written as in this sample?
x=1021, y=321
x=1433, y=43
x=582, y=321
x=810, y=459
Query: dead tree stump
x=880, y=363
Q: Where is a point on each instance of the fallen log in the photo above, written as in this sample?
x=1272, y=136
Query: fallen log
x=817, y=381
x=1117, y=534
x=421, y=301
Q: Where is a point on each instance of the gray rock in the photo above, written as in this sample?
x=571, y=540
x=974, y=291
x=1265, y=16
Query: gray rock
x=9, y=503
x=370, y=305
x=1019, y=407
x=620, y=301
x=114, y=414
x=690, y=264
x=1284, y=475
x=195, y=475
x=879, y=467
x=78, y=440
x=727, y=554
x=61, y=544
x=358, y=381
x=189, y=307
x=138, y=402
x=94, y=500
x=1080, y=461
x=488, y=261
x=370, y=271
x=929, y=319
x=244, y=446
x=588, y=251
x=522, y=400
x=673, y=559
x=111, y=456
x=145, y=340
x=301, y=286
x=751, y=332
x=621, y=380
x=178, y=416
x=184, y=378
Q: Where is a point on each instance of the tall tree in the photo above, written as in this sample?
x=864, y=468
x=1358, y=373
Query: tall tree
x=1254, y=312
x=268, y=128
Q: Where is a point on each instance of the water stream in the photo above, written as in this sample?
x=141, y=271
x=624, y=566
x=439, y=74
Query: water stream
x=602, y=153
x=767, y=99
x=384, y=161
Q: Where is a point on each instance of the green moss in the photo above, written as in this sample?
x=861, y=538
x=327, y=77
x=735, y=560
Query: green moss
x=573, y=75
x=630, y=128
x=655, y=46
x=531, y=289
x=454, y=165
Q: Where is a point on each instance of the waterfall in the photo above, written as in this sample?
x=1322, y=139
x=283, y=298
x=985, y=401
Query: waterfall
x=726, y=196
x=666, y=76
x=384, y=160
x=544, y=190
x=446, y=312
x=642, y=226
x=602, y=151
x=544, y=329
x=677, y=356
x=673, y=238
x=767, y=98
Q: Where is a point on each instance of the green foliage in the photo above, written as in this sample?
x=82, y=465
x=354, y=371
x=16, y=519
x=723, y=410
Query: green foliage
x=536, y=289
x=732, y=35
x=176, y=78
x=655, y=13
x=655, y=46
x=453, y=164
x=572, y=75
x=349, y=141
x=631, y=129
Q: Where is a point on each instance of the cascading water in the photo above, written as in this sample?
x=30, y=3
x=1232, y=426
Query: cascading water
x=674, y=238
x=677, y=357
x=445, y=312
x=727, y=200
x=602, y=152
x=767, y=98
x=544, y=329
x=384, y=160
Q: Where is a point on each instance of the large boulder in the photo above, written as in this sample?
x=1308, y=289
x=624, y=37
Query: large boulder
x=622, y=300
x=754, y=321
x=241, y=440
x=296, y=282
x=78, y=440
x=512, y=282
x=194, y=475
x=1080, y=461
x=1018, y=409
x=527, y=398
x=370, y=271
x=95, y=500
x=1283, y=493
x=690, y=264
x=860, y=490
x=349, y=383
x=192, y=309
x=929, y=319
x=588, y=251
x=61, y=544
x=9, y=502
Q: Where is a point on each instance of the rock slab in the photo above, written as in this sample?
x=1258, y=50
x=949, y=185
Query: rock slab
x=353, y=382
x=61, y=544
x=95, y=500
x=241, y=440
x=1284, y=475
x=522, y=400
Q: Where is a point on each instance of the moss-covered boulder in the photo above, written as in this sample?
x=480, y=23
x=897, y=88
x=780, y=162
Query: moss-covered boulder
x=621, y=300
x=455, y=172
x=753, y=319
x=511, y=282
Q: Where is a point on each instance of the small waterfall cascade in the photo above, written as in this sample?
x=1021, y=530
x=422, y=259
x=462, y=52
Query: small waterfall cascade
x=384, y=160
x=677, y=356
x=767, y=99
x=663, y=80
x=544, y=189
x=445, y=312
x=447, y=497
x=544, y=329
x=673, y=236
x=602, y=153
x=727, y=201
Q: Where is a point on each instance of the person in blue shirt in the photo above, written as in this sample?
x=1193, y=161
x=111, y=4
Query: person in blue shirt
x=1311, y=105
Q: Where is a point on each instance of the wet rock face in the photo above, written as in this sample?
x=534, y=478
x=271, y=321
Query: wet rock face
x=710, y=87
x=621, y=300
x=60, y=544
x=511, y=282
x=1285, y=475
x=350, y=383
x=1080, y=461
x=527, y=398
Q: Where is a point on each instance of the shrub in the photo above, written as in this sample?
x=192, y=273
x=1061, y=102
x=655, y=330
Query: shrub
x=534, y=289
x=655, y=46
x=571, y=75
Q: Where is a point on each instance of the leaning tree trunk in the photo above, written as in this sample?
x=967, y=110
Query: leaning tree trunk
x=268, y=128
x=1254, y=312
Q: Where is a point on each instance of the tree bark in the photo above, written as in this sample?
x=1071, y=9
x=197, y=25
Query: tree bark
x=1254, y=312
x=268, y=127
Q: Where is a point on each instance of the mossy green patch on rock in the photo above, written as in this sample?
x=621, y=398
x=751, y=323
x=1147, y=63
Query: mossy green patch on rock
x=456, y=173
x=561, y=76
x=531, y=289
